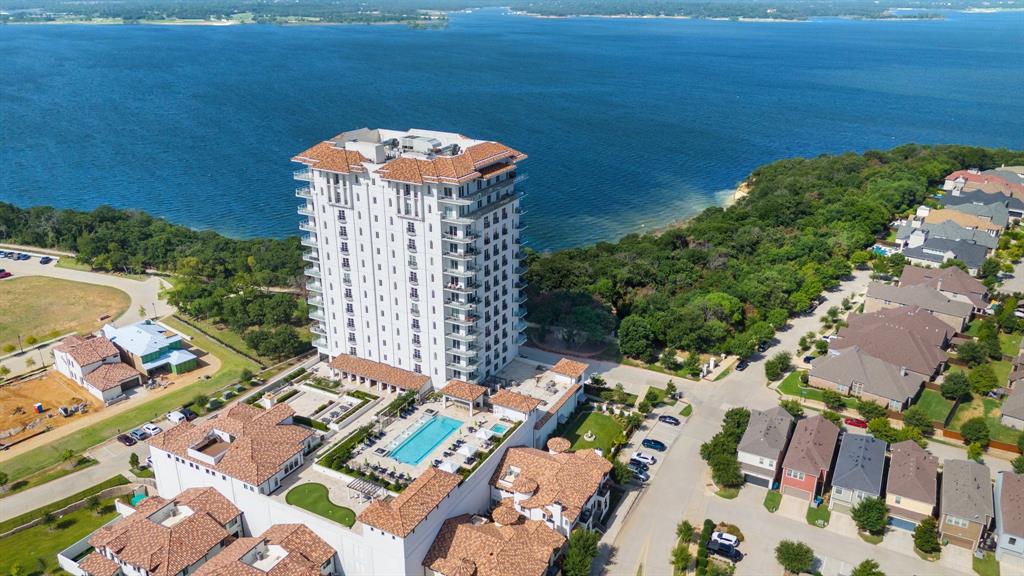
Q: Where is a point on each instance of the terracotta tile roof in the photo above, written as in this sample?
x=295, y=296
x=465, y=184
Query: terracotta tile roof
x=962, y=219
x=568, y=478
x=108, y=376
x=558, y=444
x=404, y=379
x=505, y=513
x=167, y=550
x=325, y=156
x=261, y=444
x=913, y=473
x=557, y=406
x=570, y=368
x=514, y=400
x=306, y=553
x=471, y=546
x=988, y=178
x=812, y=446
x=96, y=564
x=451, y=169
x=463, y=390
x=401, y=515
x=86, y=351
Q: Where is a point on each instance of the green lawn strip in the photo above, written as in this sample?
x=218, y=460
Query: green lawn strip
x=144, y=472
x=686, y=411
x=1010, y=344
x=41, y=543
x=315, y=498
x=48, y=475
x=820, y=513
x=606, y=431
x=935, y=405
x=724, y=373
x=72, y=264
x=50, y=454
x=728, y=493
x=772, y=499
x=869, y=538
x=990, y=409
x=987, y=566
x=230, y=337
x=663, y=396
x=27, y=517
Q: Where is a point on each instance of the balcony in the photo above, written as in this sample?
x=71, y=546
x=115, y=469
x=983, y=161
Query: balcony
x=410, y=247
x=468, y=367
x=307, y=226
x=315, y=301
x=467, y=237
x=519, y=299
x=470, y=352
x=463, y=288
x=463, y=336
x=314, y=286
x=305, y=210
x=317, y=315
x=320, y=342
x=520, y=326
x=312, y=256
x=520, y=284
x=346, y=280
x=521, y=339
x=519, y=270
x=460, y=305
x=519, y=312
x=309, y=241
x=461, y=319
x=450, y=218
x=414, y=296
x=318, y=328
x=344, y=248
x=466, y=255
x=312, y=271
x=464, y=272
x=414, y=312
x=348, y=295
x=303, y=192
x=305, y=175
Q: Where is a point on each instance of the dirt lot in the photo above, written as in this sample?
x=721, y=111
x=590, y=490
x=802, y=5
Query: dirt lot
x=53, y=390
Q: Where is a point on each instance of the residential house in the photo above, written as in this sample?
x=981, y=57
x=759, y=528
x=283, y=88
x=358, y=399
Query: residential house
x=905, y=336
x=763, y=444
x=1003, y=180
x=852, y=371
x=937, y=251
x=952, y=282
x=952, y=312
x=914, y=233
x=805, y=470
x=1013, y=409
x=932, y=216
x=1014, y=206
x=911, y=488
x=1009, y=530
x=965, y=508
x=282, y=550
x=562, y=489
x=858, y=471
x=95, y=364
x=148, y=346
x=994, y=212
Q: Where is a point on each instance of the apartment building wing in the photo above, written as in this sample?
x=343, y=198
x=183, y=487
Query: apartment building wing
x=965, y=506
x=956, y=313
x=912, y=484
x=858, y=471
x=282, y=550
x=952, y=282
x=379, y=376
x=763, y=444
x=508, y=544
x=854, y=372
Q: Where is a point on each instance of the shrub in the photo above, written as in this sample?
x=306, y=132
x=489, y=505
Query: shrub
x=867, y=568
x=792, y=406
x=918, y=418
x=795, y=557
x=975, y=451
x=1018, y=464
x=926, y=536
x=833, y=400
x=956, y=386
x=976, y=430
x=972, y=353
x=778, y=365
x=720, y=451
x=581, y=552
x=832, y=417
x=983, y=379
x=871, y=515
x=870, y=410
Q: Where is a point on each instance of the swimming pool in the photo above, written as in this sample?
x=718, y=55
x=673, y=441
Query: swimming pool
x=423, y=441
x=499, y=429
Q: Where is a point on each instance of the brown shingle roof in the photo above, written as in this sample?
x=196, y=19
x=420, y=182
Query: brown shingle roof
x=913, y=472
x=401, y=515
x=325, y=156
x=307, y=552
x=568, y=478
x=812, y=446
x=108, y=376
x=380, y=372
x=898, y=337
x=962, y=219
x=262, y=441
x=514, y=400
x=463, y=390
x=86, y=351
x=167, y=550
x=1011, y=504
x=951, y=279
x=471, y=546
x=570, y=368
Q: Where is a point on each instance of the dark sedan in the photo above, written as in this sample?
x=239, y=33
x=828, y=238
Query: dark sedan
x=669, y=420
x=126, y=440
x=725, y=551
x=654, y=444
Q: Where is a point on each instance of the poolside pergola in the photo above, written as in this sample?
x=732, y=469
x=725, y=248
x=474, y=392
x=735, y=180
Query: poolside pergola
x=464, y=394
x=363, y=487
x=377, y=376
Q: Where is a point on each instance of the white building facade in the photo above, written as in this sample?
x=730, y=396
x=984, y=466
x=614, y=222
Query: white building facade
x=413, y=250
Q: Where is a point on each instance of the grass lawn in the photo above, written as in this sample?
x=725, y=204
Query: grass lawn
x=38, y=546
x=1009, y=344
x=72, y=264
x=45, y=456
x=990, y=409
x=686, y=411
x=606, y=431
x=724, y=373
x=1002, y=369
x=12, y=523
x=869, y=538
x=772, y=500
x=791, y=386
x=144, y=472
x=314, y=497
x=49, y=307
x=820, y=513
x=728, y=493
x=989, y=566
x=662, y=395
x=49, y=475
x=935, y=405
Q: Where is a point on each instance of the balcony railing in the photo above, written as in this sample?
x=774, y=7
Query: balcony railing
x=467, y=237
x=317, y=315
x=462, y=287
x=305, y=210
x=520, y=298
x=311, y=255
x=456, y=219
x=460, y=305
x=320, y=342
x=464, y=256
x=318, y=328
x=469, y=367
x=460, y=319
x=309, y=241
x=312, y=271
x=307, y=226
x=520, y=284
x=519, y=312
x=314, y=286
x=303, y=192
x=463, y=336
x=305, y=175
x=465, y=271
x=315, y=301
x=521, y=339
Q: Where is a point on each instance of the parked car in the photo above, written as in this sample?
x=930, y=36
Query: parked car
x=725, y=551
x=654, y=444
x=669, y=419
x=742, y=365
x=176, y=417
x=45, y=260
x=725, y=538
x=855, y=422
x=139, y=434
x=761, y=347
x=23, y=256
x=152, y=429
x=126, y=440
x=644, y=457
x=808, y=359
x=634, y=462
x=639, y=474
x=5, y=274
x=189, y=414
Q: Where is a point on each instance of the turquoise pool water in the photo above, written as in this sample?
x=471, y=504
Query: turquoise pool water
x=416, y=447
x=499, y=428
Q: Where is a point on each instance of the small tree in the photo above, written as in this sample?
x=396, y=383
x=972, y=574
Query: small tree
x=1018, y=464
x=975, y=451
x=644, y=407
x=867, y=568
x=31, y=340
x=670, y=388
x=93, y=504
x=976, y=430
x=983, y=379
x=973, y=353
x=581, y=553
x=821, y=346
x=926, y=536
x=142, y=311
x=918, y=418
x=67, y=455
x=833, y=400
x=684, y=531
x=870, y=515
x=681, y=557
x=133, y=461
x=246, y=376
x=200, y=400
x=621, y=472
x=792, y=406
x=50, y=521
x=795, y=557
x=870, y=410
x=4, y=371
x=30, y=362
x=956, y=387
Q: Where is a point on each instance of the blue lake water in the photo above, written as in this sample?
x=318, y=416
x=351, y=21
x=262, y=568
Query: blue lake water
x=629, y=124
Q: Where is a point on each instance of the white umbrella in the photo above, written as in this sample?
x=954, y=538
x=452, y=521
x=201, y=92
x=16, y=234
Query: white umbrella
x=468, y=449
x=484, y=433
x=448, y=466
